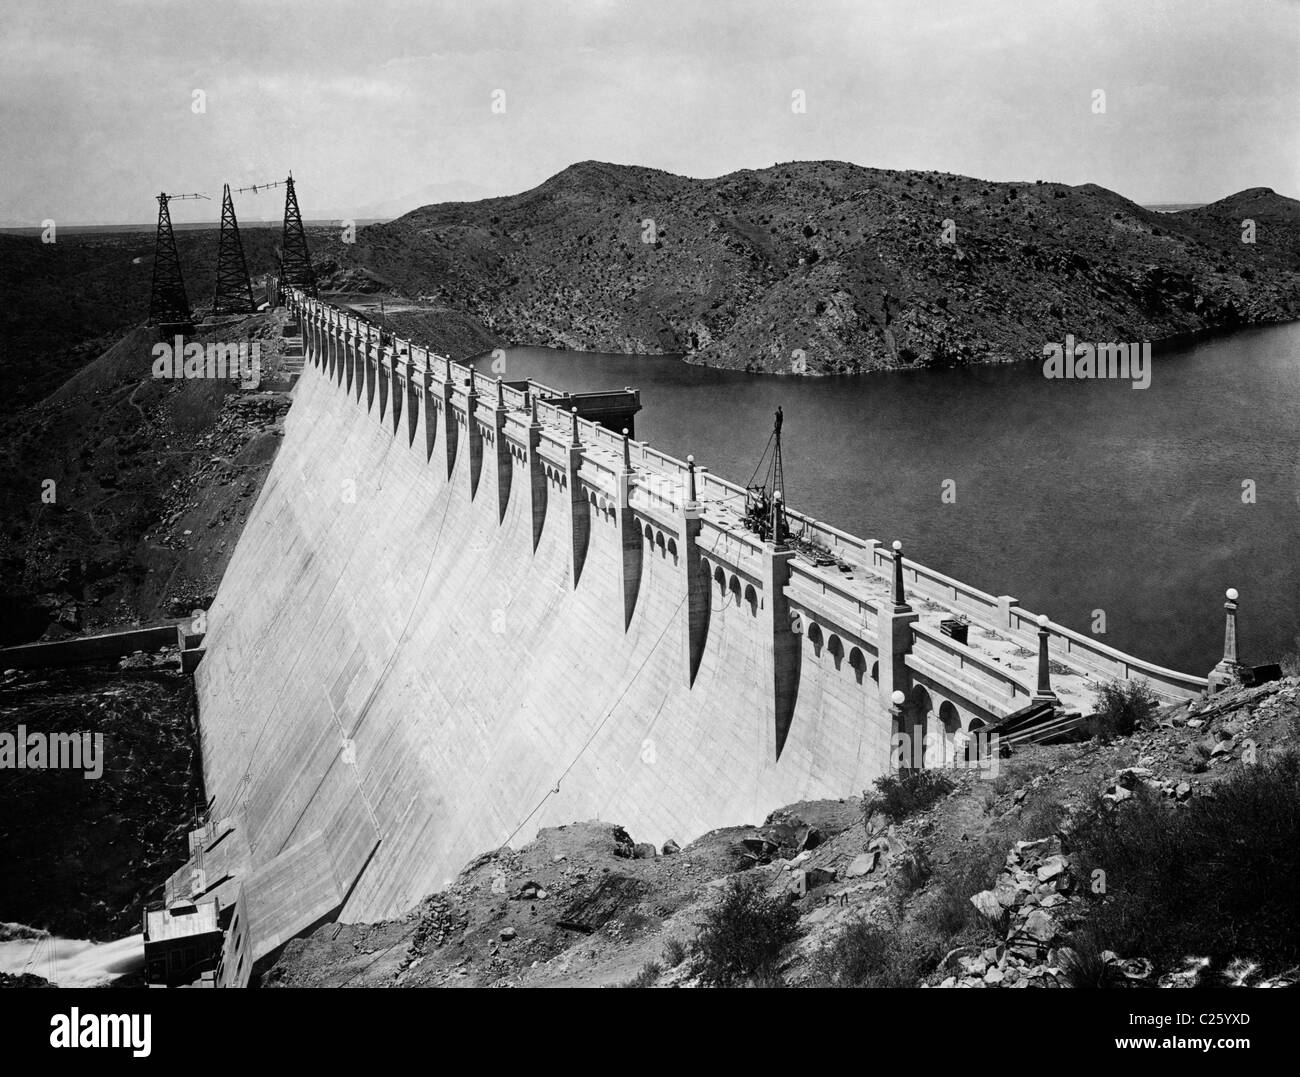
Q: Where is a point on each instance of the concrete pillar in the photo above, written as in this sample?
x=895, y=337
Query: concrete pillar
x=1044, y=693
x=425, y=432
x=505, y=464
x=781, y=660
x=450, y=430
x=414, y=398
x=536, y=473
x=630, y=538
x=372, y=365
x=474, y=434
x=332, y=344
x=309, y=336
x=396, y=386
x=1229, y=672
x=326, y=360
x=579, y=507
x=340, y=350
x=694, y=582
x=362, y=344
x=382, y=366
x=894, y=636
x=1005, y=605
x=350, y=356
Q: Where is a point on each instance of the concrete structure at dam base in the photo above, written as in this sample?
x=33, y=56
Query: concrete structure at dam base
x=460, y=611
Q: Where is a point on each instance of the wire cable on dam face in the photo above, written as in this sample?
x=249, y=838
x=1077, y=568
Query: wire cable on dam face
x=574, y=762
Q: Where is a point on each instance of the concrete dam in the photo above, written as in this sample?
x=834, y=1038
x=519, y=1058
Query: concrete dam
x=460, y=611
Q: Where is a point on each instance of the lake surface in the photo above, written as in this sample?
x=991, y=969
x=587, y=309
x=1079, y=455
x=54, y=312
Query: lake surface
x=1073, y=496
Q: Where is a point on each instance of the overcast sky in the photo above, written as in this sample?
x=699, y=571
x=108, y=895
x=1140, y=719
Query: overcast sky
x=388, y=103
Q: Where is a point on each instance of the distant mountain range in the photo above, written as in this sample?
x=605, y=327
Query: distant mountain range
x=824, y=267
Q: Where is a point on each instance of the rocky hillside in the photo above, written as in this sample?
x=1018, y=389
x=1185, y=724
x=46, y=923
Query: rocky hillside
x=823, y=266
x=1162, y=858
x=152, y=480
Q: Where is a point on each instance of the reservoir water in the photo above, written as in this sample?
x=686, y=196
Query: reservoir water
x=1096, y=503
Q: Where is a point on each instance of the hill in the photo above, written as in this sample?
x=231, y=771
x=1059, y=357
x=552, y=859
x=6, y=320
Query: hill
x=855, y=268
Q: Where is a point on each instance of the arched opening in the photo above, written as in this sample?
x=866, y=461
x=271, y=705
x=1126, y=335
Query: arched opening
x=836, y=649
x=949, y=733
x=720, y=578
x=751, y=599
x=949, y=717
x=672, y=549
x=734, y=588
x=857, y=663
x=815, y=638
x=875, y=672
x=659, y=542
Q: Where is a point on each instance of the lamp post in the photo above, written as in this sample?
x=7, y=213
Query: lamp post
x=1229, y=672
x=1044, y=693
x=900, y=597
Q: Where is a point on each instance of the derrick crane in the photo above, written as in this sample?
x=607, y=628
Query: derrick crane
x=168, y=303
x=295, y=259
x=233, y=293
x=764, y=504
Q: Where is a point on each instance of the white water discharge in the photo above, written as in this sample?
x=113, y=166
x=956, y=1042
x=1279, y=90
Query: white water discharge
x=70, y=962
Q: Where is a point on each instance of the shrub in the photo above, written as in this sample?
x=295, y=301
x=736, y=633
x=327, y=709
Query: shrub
x=950, y=911
x=914, y=871
x=1121, y=709
x=1082, y=960
x=646, y=977
x=1220, y=877
x=864, y=955
x=743, y=934
x=1040, y=817
x=900, y=795
x=674, y=952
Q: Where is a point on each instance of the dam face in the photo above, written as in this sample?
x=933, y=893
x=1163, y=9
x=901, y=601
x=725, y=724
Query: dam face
x=459, y=613
x=397, y=655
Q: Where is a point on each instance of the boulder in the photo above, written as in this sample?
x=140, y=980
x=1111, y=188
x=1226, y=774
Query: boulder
x=1132, y=777
x=643, y=850
x=864, y=864
x=815, y=877
x=1040, y=926
x=671, y=848
x=986, y=901
x=1051, y=868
